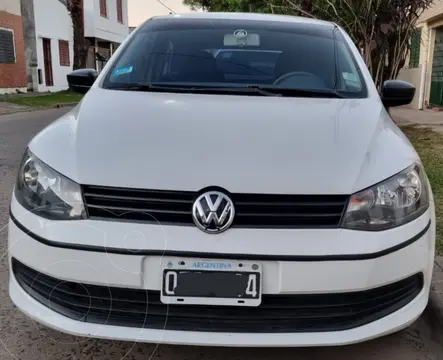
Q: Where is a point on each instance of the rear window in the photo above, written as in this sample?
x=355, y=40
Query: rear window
x=218, y=52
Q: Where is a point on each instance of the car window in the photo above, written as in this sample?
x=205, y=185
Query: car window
x=238, y=53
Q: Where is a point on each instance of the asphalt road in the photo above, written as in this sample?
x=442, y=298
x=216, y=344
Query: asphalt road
x=21, y=338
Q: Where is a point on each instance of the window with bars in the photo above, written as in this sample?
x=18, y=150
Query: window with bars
x=120, y=11
x=63, y=49
x=7, y=49
x=103, y=8
x=414, y=58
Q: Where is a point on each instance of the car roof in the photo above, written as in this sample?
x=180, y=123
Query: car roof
x=245, y=16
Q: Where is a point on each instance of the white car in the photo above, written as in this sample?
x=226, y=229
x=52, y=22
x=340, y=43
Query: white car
x=182, y=204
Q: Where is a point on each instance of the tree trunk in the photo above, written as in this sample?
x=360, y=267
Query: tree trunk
x=81, y=45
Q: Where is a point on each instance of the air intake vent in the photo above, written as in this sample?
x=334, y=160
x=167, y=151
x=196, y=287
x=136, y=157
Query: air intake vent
x=251, y=210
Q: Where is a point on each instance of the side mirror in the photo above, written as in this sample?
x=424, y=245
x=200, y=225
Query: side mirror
x=81, y=80
x=397, y=93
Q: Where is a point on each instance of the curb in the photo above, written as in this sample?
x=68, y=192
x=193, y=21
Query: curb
x=57, y=106
x=400, y=121
x=15, y=111
x=32, y=109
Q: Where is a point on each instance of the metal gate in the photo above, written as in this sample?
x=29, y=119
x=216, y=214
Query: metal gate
x=90, y=60
x=92, y=57
x=103, y=53
x=436, y=95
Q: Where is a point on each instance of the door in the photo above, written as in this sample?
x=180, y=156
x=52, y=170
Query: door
x=436, y=95
x=47, y=60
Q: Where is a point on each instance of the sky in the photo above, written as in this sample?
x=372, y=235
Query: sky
x=141, y=10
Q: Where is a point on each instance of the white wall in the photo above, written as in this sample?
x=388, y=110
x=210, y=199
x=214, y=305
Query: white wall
x=413, y=76
x=434, y=10
x=52, y=21
x=10, y=6
x=106, y=28
x=89, y=16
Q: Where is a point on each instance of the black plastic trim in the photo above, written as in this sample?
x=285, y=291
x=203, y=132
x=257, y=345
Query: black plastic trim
x=277, y=313
x=210, y=255
x=322, y=209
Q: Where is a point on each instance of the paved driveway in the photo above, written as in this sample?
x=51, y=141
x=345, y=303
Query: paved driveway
x=21, y=338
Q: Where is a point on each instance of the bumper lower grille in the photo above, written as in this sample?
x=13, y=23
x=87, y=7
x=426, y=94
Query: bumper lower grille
x=276, y=314
x=251, y=210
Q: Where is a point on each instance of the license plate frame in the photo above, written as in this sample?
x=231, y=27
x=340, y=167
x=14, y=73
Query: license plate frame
x=239, y=283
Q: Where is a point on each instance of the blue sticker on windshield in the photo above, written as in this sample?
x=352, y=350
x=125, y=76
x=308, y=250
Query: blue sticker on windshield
x=123, y=70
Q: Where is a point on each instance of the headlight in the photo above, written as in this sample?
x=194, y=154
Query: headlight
x=393, y=202
x=47, y=193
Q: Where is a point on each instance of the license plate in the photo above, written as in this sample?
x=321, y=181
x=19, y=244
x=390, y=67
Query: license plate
x=211, y=282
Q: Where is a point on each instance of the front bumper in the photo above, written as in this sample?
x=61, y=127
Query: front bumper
x=287, y=277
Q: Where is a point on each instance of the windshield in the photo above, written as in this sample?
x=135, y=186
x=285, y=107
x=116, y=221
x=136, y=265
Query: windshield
x=224, y=53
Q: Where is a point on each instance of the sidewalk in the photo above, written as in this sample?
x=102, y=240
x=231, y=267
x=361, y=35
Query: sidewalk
x=9, y=108
x=404, y=115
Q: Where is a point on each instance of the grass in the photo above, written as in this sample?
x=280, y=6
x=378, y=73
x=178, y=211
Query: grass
x=429, y=145
x=47, y=100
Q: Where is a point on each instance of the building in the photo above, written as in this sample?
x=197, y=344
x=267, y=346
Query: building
x=12, y=50
x=49, y=38
x=106, y=26
x=54, y=44
x=425, y=62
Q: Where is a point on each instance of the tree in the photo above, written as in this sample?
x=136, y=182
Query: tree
x=381, y=28
x=81, y=45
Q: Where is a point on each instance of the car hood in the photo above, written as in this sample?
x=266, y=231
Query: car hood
x=240, y=143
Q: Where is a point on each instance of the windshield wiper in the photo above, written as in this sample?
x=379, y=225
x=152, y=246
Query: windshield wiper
x=252, y=89
x=295, y=92
x=197, y=89
x=131, y=87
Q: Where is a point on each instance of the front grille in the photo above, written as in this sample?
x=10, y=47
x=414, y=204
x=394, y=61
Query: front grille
x=276, y=314
x=251, y=210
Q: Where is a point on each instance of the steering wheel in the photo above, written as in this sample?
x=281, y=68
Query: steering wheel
x=314, y=81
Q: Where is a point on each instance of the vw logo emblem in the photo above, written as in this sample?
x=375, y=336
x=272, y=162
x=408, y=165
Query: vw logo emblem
x=213, y=212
